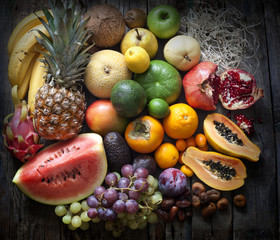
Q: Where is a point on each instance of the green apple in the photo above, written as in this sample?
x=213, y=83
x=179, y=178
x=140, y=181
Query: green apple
x=140, y=37
x=164, y=21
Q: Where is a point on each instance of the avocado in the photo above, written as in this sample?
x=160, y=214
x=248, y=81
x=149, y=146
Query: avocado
x=117, y=151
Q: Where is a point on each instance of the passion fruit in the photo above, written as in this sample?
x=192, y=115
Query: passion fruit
x=135, y=18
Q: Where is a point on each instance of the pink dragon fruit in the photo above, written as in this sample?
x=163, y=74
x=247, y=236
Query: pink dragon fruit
x=19, y=135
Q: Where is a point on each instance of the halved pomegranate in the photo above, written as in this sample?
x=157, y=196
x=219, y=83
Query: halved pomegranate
x=201, y=86
x=238, y=89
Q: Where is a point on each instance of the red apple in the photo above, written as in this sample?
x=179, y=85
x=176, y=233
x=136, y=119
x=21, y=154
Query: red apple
x=101, y=118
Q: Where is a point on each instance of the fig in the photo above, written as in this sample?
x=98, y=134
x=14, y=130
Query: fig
x=135, y=18
x=146, y=161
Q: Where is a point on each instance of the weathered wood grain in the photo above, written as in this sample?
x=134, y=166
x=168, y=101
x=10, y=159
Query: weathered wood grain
x=272, y=26
x=260, y=188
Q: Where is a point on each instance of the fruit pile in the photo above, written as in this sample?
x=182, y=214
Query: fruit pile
x=139, y=128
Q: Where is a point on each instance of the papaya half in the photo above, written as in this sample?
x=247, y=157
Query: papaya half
x=218, y=171
x=226, y=137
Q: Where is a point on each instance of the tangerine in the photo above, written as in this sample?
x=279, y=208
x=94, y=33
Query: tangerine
x=166, y=155
x=182, y=121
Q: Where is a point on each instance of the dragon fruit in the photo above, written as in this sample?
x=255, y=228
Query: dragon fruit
x=19, y=135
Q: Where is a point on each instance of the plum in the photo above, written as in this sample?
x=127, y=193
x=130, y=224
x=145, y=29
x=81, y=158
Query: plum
x=172, y=182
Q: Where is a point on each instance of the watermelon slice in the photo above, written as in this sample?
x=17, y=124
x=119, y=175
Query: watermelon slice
x=65, y=171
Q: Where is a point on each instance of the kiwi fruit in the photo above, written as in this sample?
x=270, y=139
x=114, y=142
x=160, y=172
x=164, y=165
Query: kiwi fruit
x=135, y=18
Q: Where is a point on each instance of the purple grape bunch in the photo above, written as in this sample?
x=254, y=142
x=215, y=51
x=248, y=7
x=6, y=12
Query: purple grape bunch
x=120, y=196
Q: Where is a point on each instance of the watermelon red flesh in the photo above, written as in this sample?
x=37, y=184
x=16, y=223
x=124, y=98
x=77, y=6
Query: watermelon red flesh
x=64, y=172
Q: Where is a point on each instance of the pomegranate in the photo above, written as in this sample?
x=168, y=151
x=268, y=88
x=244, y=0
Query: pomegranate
x=244, y=123
x=201, y=86
x=238, y=89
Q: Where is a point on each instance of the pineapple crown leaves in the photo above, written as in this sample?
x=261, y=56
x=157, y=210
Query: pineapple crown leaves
x=67, y=56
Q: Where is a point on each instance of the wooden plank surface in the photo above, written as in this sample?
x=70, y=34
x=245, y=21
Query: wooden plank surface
x=22, y=218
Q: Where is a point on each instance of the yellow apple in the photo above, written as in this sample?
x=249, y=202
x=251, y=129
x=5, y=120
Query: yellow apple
x=140, y=37
x=183, y=52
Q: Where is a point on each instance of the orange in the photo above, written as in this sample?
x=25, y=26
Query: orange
x=166, y=155
x=187, y=171
x=182, y=121
x=181, y=145
x=200, y=140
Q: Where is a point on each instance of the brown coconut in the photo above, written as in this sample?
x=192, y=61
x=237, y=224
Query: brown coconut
x=106, y=24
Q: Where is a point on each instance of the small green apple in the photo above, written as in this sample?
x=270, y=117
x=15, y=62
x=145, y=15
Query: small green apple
x=164, y=21
x=140, y=37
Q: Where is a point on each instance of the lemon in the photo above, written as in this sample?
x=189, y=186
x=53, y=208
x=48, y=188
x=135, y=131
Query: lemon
x=137, y=59
x=158, y=108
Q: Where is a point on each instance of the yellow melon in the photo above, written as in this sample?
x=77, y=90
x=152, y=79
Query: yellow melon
x=104, y=70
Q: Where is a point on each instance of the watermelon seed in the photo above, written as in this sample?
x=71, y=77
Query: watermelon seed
x=43, y=179
x=48, y=181
x=77, y=171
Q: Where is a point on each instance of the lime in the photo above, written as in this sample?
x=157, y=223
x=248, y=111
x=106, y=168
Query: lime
x=161, y=80
x=128, y=98
x=158, y=108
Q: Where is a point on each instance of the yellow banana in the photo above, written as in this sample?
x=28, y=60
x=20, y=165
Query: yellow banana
x=22, y=89
x=36, y=81
x=22, y=54
x=22, y=27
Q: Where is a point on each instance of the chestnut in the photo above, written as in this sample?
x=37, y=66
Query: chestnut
x=195, y=202
x=204, y=198
x=222, y=204
x=214, y=195
x=198, y=188
x=239, y=200
x=209, y=210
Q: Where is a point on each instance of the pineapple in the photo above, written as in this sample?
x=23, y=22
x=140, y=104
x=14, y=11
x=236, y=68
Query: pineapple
x=60, y=104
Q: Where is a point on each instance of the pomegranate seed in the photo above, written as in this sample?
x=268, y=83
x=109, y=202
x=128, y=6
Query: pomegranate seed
x=245, y=124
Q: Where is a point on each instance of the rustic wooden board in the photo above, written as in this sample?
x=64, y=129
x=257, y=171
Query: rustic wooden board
x=22, y=218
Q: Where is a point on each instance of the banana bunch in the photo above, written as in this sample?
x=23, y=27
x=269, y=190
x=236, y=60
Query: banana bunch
x=23, y=50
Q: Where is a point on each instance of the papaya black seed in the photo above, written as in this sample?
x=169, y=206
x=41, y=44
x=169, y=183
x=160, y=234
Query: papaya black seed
x=226, y=133
x=222, y=171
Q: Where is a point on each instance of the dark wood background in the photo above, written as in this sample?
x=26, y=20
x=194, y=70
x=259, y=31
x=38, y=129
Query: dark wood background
x=22, y=218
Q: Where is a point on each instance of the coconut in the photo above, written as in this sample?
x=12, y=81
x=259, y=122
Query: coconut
x=106, y=24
